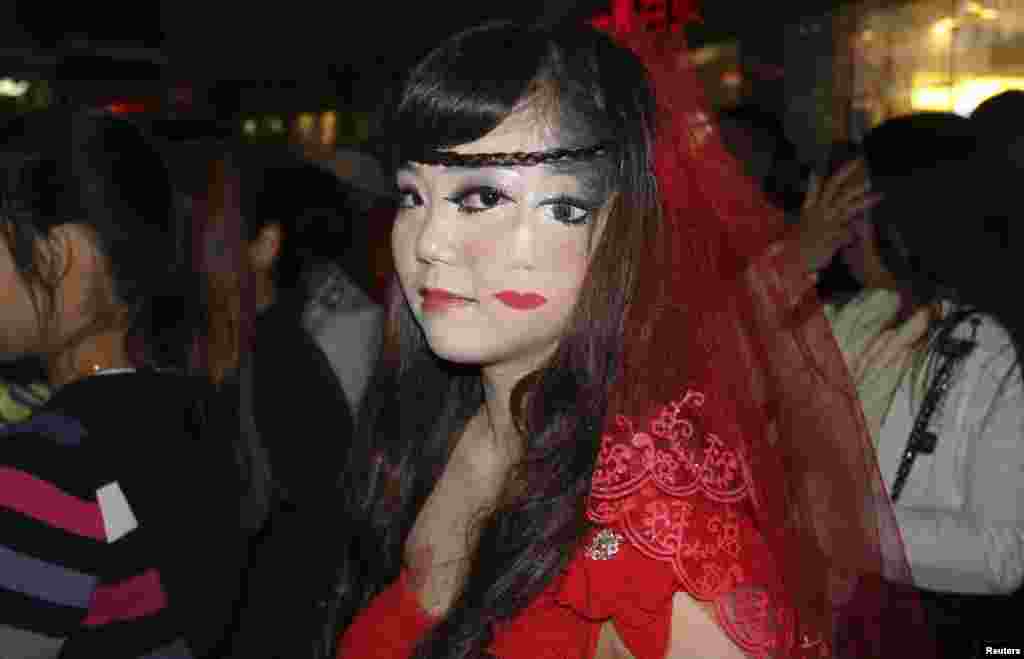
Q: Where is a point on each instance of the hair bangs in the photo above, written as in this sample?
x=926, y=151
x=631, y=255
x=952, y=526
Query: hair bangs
x=456, y=96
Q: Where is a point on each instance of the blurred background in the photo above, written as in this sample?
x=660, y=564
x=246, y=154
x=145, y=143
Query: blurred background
x=313, y=74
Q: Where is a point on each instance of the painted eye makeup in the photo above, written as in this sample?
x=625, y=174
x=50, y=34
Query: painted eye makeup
x=568, y=210
x=408, y=197
x=479, y=198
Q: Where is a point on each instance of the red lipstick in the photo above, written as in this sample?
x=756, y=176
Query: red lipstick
x=521, y=301
x=436, y=299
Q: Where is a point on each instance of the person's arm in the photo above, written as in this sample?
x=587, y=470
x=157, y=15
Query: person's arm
x=980, y=550
x=830, y=208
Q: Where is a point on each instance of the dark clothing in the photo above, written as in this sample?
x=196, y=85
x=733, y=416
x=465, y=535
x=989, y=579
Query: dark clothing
x=966, y=624
x=300, y=407
x=302, y=417
x=145, y=509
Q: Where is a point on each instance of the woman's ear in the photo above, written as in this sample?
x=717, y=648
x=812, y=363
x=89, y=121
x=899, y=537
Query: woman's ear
x=76, y=259
x=56, y=254
x=71, y=251
x=80, y=276
x=265, y=249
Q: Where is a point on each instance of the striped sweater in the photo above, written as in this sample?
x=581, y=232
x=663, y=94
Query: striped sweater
x=95, y=505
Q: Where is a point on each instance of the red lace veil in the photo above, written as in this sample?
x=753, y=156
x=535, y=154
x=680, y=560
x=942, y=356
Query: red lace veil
x=729, y=296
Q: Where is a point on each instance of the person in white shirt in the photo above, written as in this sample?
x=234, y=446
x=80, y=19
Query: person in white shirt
x=934, y=344
x=341, y=315
x=347, y=325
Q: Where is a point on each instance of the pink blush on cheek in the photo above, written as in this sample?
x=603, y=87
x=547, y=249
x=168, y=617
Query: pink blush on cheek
x=569, y=256
x=480, y=250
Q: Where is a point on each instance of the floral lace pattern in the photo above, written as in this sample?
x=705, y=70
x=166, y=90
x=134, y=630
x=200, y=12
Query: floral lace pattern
x=682, y=494
x=672, y=455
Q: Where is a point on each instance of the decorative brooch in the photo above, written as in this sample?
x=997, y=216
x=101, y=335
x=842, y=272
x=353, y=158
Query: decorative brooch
x=604, y=545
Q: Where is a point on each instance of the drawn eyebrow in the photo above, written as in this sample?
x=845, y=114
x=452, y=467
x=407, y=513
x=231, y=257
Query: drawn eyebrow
x=593, y=183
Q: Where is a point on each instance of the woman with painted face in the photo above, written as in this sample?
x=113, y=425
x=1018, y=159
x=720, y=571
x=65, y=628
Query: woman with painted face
x=934, y=343
x=118, y=524
x=607, y=420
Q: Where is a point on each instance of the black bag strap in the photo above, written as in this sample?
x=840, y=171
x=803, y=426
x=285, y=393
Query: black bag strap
x=922, y=440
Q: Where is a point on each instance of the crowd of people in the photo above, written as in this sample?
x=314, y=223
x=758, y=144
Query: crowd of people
x=719, y=405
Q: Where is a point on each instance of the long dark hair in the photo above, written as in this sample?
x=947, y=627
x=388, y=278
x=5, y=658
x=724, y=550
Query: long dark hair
x=944, y=227
x=102, y=173
x=899, y=152
x=417, y=404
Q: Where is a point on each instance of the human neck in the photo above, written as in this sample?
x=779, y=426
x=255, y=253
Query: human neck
x=264, y=292
x=93, y=354
x=496, y=418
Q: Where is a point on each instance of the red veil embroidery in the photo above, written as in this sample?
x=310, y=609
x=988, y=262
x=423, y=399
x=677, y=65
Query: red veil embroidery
x=775, y=460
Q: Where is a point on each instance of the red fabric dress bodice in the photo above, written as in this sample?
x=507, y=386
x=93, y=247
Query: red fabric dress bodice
x=673, y=509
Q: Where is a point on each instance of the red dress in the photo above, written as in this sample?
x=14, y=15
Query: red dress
x=672, y=506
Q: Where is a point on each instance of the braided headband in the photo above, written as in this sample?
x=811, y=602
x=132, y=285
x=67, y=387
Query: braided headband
x=517, y=159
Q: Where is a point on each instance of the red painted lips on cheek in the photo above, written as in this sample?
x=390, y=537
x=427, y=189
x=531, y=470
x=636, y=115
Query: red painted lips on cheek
x=521, y=301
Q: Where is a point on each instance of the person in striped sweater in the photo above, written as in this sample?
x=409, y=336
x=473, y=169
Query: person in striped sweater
x=118, y=523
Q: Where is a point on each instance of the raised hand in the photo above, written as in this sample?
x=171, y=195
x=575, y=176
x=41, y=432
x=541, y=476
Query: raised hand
x=828, y=213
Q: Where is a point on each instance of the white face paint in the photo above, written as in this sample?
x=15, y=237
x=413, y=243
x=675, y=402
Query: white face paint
x=491, y=260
